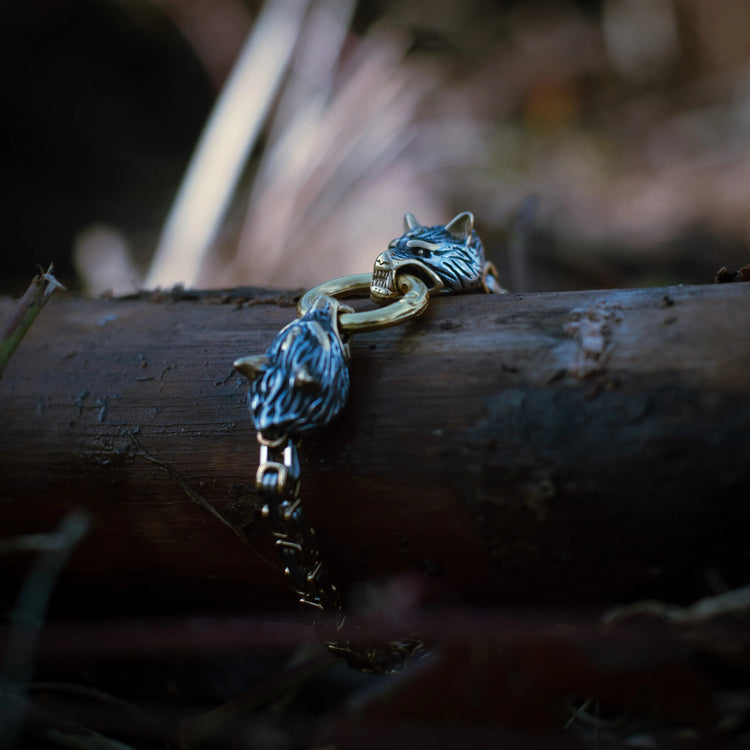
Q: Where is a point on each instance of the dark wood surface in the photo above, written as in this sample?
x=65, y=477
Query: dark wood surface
x=580, y=447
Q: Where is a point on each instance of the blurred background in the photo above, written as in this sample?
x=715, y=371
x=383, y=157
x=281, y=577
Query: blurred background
x=219, y=143
x=599, y=143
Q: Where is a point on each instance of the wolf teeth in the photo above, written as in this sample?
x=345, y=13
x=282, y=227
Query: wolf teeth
x=381, y=279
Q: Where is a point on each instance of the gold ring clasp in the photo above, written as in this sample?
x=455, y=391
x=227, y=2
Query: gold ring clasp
x=413, y=302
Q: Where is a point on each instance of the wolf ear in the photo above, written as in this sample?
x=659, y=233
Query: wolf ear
x=410, y=222
x=251, y=366
x=305, y=381
x=459, y=227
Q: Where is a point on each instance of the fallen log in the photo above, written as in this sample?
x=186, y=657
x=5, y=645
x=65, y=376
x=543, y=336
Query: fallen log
x=566, y=448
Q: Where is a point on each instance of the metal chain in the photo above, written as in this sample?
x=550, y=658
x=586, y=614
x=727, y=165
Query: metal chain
x=278, y=481
x=302, y=383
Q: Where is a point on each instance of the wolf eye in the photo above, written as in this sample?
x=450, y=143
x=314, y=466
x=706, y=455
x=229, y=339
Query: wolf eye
x=422, y=252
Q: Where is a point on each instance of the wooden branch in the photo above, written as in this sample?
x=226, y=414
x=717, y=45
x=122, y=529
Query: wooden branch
x=541, y=448
x=42, y=287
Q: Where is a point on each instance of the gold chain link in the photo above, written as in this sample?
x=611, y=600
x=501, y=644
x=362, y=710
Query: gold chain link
x=296, y=542
x=413, y=302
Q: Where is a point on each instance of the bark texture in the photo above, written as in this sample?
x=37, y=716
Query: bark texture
x=538, y=448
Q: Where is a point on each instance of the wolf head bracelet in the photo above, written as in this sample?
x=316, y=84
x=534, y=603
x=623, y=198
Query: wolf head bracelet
x=302, y=383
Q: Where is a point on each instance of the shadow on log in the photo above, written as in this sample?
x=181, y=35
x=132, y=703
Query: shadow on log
x=567, y=448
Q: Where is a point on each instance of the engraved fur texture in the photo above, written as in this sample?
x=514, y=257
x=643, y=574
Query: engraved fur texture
x=449, y=258
x=302, y=382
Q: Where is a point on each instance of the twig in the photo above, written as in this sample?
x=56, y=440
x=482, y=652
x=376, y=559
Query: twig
x=30, y=543
x=28, y=620
x=42, y=287
x=198, y=498
x=733, y=602
x=88, y=741
x=227, y=139
x=135, y=715
x=217, y=723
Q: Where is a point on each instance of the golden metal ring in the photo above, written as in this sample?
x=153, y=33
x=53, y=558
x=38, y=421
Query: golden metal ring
x=413, y=302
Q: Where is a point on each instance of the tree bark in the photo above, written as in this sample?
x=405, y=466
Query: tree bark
x=538, y=448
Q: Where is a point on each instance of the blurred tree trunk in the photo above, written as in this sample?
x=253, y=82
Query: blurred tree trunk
x=544, y=448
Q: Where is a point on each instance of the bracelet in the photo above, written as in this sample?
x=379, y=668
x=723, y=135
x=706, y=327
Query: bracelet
x=302, y=383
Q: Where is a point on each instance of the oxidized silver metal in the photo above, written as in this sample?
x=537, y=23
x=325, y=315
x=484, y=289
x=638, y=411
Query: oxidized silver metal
x=302, y=381
x=448, y=258
x=278, y=473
